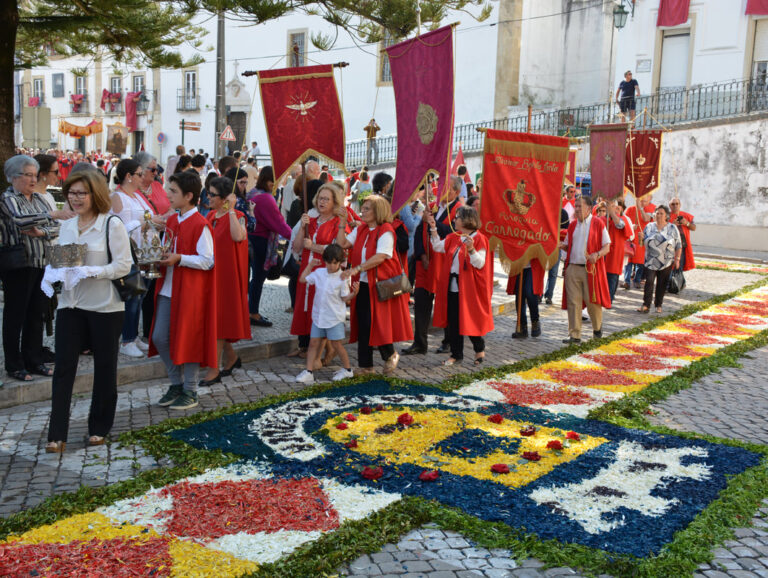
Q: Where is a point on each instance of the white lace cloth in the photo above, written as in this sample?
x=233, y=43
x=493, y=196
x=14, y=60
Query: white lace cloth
x=68, y=276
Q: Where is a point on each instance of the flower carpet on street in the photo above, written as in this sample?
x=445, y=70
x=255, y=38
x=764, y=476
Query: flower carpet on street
x=731, y=266
x=585, y=381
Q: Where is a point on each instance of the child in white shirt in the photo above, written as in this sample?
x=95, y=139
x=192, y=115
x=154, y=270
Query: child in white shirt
x=329, y=311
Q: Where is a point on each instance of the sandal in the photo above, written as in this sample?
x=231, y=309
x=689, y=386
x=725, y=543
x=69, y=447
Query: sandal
x=300, y=352
x=55, y=447
x=479, y=360
x=42, y=370
x=450, y=361
x=658, y=310
x=643, y=309
x=95, y=441
x=21, y=375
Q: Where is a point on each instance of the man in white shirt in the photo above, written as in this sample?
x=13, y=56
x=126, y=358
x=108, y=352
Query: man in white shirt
x=585, y=278
x=254, y=152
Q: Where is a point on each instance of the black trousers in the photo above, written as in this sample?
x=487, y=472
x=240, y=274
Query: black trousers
x=661, y=278
x=75, y=330
x=148, y=309
x=529, y=298
x=23, y=318
x=423, y=301
x=365, y=351
x=454, y=331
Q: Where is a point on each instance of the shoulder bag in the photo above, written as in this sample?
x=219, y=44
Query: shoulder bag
x=132, y=285
x=394, y=286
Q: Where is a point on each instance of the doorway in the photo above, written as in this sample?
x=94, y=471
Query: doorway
x=237, y=121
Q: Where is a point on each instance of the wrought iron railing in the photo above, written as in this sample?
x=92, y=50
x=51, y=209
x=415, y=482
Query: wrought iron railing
x=665, y=107
x=187, y=100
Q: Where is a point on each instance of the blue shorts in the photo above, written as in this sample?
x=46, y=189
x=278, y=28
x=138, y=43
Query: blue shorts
x=335, y=333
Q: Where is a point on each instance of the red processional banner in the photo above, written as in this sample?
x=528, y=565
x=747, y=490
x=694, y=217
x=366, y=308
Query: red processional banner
x=606, y=159
x=422, y=78
x=673, y=12
x=643, y=162
x=302, y=116
x=757, y=7
x=522, y=193
x=570, y=169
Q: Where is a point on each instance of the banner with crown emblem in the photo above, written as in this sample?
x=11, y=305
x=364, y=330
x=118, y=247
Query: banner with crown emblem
x=522, y=191
x=643, y=164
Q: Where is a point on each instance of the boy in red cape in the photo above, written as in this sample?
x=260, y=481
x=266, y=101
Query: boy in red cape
x=185, y=336
x=620, y=231
x=586, y=243
x=465, y=286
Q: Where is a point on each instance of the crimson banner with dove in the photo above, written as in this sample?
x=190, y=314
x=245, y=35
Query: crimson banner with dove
x=422, y=76
x=643, y=164
x=302, y=116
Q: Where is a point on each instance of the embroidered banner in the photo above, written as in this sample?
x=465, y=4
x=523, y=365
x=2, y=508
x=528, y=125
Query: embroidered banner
x=422, y=76
x=302, y=116
x=757, y=7
x=673, y=12
x=522, y=188
x=606, y=159
x=643, y=162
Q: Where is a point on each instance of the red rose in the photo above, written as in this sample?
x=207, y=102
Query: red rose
x=341, y=426
x=429, y=475
x=365, y=410
x=528, y=430
x=350, y=417
x=500, y=468
x=555, y=445
x=572, y=435
x=496, y=418
x=531, y=456
x=372, y=473
x=351, y=443
x=380, y=407
x=405, y=419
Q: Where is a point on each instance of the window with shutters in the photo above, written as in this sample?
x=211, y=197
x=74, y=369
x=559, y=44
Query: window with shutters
x=81, y=84
x=116, y=84
x=38, y=88
x=297, y=48
x=760, y=53
x=384, y=77
x=58, y=85
x=138, y=83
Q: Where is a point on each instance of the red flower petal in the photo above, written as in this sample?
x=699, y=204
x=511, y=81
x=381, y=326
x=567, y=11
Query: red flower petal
x=496, y=418
x=555, y=445
x=531, y=456
x=429, y=475
x=380, y=407
x=341, y=425
x=351, y=443
x=372, y=473
x=528, y=431
x=405, y=419
x=350, y=417
x=539, y=394
x=365, y=410
x=500, y=468
x=572, y=435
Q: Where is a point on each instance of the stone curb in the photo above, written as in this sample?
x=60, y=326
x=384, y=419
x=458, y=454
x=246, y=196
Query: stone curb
x=15, y=393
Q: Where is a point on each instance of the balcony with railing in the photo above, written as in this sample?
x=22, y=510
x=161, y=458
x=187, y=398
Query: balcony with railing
x=187, y=100
x=113, y=104
x=665, y=107
x=78, y=104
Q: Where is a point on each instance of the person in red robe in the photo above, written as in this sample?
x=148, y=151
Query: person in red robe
x=586, y=243
x=373, y=322
x=429, y=265
x=314, y=235
x=230, y=242
x=533, y=289
x=620, y=230
x=465, y=286
x=685, y=225
x=184, y=332
x=639, y=215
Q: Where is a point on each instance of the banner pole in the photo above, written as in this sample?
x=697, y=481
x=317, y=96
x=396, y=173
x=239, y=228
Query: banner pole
x=522, y=271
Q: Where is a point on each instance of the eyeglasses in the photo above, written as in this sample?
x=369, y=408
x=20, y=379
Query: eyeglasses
x=211, y=195
x=56, y=172
x=29, y=175
x=78, y=194
x=154, y=170
x=673, y=204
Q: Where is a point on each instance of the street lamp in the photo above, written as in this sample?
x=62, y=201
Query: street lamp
x=620, y=16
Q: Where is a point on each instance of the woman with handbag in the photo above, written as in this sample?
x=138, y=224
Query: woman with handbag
x=662, y=253
x=130, y=204
x=26, y=232
x=91, y=313
x=313, y=236
x=376, y=319
x=463, y=297
x=230, y=242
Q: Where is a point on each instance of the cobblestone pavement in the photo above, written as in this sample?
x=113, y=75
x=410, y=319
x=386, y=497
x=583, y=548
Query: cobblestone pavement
x=28, y=475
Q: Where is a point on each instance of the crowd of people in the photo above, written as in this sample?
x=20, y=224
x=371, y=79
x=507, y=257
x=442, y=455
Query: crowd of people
x=226, y=228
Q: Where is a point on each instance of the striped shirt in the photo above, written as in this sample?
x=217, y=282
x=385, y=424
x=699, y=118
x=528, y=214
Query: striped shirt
x=21, y=213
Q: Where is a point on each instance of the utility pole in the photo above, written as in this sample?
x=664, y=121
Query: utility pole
x=221, y=110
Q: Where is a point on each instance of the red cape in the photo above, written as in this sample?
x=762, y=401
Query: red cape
x=598, y=282
x=429, y=278
x=231, y=272
x=538, y=280
x=475, y=288
x=614, y=260
x=689, y=262
x=631, y=214
x=193, y=325
x=390, y=320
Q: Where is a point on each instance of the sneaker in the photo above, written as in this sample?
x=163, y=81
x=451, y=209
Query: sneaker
x=131, y=350
x=170, y=396
x=186, y=400
x=342, y=374
x=305, y=377
x=144, y=347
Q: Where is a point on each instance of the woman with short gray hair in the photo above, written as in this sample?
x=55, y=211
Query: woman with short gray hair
x=152, y=189
x=26, y=233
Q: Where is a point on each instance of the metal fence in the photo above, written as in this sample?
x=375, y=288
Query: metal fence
x=665, y=107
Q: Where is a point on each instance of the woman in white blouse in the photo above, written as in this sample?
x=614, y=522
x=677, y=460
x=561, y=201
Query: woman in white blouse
x=91, y=313
x=130, y=205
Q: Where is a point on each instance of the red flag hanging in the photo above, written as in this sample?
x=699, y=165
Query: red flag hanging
x=457, y=162
x=422, y=76
x=606, y=159
x=570, y=170
x=302, y=116
x=757, y=7
x=643, y=162
x=673, y=12
x=522, y=188
x=131, y=100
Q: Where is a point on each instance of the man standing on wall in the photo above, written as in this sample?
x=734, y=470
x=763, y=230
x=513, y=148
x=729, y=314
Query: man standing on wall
x=372, y=149
x=625, y=96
